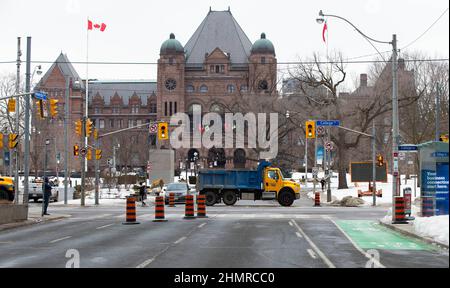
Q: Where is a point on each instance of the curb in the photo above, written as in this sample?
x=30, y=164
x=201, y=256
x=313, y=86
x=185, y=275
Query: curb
x=29, y=222
x=422, y=238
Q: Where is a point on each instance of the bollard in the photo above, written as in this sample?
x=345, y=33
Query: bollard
x=131, y=211
x=189, y=210
x=172, y=199
x=159, y=209
x=317, y=199
x=427, y=206
x=201, y=206
x=399, y=216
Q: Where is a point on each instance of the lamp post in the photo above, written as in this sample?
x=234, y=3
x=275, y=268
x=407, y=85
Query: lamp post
x=395, y=125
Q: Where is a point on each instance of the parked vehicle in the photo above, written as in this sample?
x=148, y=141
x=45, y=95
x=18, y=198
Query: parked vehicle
x=264, y=183
x=180, y=191
x=7, y=191
x=35, y=191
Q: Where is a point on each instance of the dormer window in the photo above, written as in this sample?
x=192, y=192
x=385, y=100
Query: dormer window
x=263, y=60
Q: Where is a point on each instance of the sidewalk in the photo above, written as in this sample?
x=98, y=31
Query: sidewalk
x=33, y=218
x=408, y=230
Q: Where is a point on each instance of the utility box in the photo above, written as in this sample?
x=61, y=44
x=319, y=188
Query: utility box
x=162, y=165
x=434, y=176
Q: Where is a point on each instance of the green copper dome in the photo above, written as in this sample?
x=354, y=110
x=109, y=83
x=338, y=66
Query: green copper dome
x=171, y=46
x=263, y=46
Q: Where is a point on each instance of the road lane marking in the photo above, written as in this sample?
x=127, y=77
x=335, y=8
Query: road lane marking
x=311, y=253
x=201, y=225
x=104, y=226
x=375, y=261
x=298, y=235
x=315, y=248
x=145, y=263
x=290, y=223
x=180, y=240
x=60, y=239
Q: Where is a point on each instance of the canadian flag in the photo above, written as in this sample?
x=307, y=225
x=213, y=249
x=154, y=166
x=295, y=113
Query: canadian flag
x=92, y=26
x=325, y=28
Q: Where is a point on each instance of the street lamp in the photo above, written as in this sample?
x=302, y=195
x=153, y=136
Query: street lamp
x=395, y=125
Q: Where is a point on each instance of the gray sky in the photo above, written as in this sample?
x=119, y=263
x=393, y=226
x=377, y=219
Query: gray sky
x=136, y=29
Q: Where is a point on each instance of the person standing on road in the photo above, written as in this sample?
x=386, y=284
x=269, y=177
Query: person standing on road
x=322, y=182
x=143, y=193
x=47, y=194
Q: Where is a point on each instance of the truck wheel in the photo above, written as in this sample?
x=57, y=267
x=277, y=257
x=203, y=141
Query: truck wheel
x=229, y=198
x=286, y=198
x=211, y=198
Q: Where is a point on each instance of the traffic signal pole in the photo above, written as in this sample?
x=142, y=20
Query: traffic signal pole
x=97, y=172
x=83, y=161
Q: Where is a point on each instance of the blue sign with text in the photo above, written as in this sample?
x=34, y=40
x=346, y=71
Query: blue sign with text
x=442, y=188
x=40, y=95
x=408, y=148
x=328, y=123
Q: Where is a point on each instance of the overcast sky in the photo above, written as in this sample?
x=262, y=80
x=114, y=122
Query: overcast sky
x=136, y=29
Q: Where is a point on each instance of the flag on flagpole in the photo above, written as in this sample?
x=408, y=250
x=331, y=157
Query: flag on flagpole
x=92, y=26
x=325, y=29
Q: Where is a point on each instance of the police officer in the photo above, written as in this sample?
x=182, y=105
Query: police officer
x=47, y=194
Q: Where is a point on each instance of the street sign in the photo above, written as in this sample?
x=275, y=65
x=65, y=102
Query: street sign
x=328, y=123
x=40, y=95
x=315, y=172
x=153, y=128
x=408, y=148
x=320, y=130
x=83, y=151
x=110, y=162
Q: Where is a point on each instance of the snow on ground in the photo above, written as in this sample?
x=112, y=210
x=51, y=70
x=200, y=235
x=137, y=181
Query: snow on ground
x=435, y=227
x=354, y=187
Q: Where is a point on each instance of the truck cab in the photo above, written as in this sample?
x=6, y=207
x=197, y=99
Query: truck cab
x=276, y=187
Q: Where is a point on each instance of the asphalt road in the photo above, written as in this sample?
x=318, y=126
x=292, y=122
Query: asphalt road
x=248, y=235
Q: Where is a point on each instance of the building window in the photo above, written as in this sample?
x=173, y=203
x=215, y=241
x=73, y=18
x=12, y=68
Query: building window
x=175, y=107
x=116, y=110
x=263, y=60
x=138, y=122
x=101, y=124
x=217, y=69
x=231, y=88
x=134, y=109
x=222, y=68
x=130, y=123
x=153, y=108
x=190, y=89
x=244, y=88
x=111, y=123
x=211, y=68
x=97, y=110
x=203, y=88
x=119, y=123
x=165, y=108
x=170, y=108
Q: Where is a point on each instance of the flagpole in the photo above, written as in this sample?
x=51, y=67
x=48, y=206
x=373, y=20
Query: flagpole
x=87, y=87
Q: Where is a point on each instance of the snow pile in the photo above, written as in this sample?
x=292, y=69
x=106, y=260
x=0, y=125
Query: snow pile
x=435, y=227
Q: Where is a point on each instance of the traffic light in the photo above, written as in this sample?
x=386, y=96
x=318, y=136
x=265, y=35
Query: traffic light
x=78, y=127
x=40, y=108
x=95, y=134
x=13, y=140
x=53, y=107
x=98, y=154
x=163, y=131
x=89, y=154
x=76, y=150
x=89, y=127
x=310, y=129
x=443, y=138
x=380, y=162
x=1, y=141
x=12, y=105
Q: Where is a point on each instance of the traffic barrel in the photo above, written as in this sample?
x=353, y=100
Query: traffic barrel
x=189, y=210
x=159, y=209
x=399, y=216
x=201, y=206
x=317, y=199
x=131, y=211
x=427, y=206
x=172, y=199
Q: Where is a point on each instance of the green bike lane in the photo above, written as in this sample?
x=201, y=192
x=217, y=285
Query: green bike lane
x=390, y=248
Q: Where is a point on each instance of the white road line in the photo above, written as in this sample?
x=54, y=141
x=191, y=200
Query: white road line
x=145, y=263
x=311, y=253
x=180, y=240
x=290, y=223
x=104, y=226
x=298, y=235
x=201, y=225
x=316, y=249
x=375, y=261
x=60, y=239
